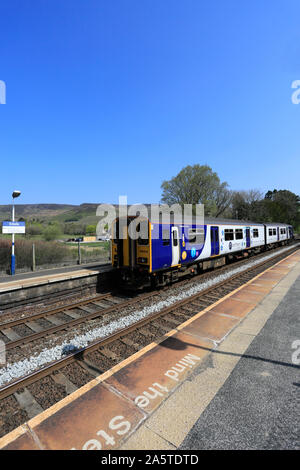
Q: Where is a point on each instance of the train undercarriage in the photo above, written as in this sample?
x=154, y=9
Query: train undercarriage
x=138, y=277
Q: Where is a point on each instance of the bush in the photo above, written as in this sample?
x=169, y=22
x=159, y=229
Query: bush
x=52, y=232
x=74, y=229
x=5, y=254
x=34, y=229
x=90, y=229
x=45, y=253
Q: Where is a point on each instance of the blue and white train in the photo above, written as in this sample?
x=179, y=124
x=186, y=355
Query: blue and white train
x=172, y=250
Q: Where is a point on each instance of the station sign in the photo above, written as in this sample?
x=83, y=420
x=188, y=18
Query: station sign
x=13, y=227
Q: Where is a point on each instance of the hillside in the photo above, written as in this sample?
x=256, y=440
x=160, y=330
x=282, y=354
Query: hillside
x=43, y=213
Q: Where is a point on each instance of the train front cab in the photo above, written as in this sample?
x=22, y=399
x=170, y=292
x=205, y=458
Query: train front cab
x=154, y=260
x=131, y=256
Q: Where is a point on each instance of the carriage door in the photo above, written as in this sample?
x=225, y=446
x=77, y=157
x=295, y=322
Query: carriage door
x=278, y=233
x=248, y=237
x=214, y=237
x=175, y=246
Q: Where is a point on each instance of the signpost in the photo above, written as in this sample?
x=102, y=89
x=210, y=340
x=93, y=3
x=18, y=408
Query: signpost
x=13, y=227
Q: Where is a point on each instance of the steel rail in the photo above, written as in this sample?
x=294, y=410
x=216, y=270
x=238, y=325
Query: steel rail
x=89, y=316
x=53, y=311
x=77, y=321
x=78, y=355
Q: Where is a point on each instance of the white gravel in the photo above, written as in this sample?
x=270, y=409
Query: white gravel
x=24, y=367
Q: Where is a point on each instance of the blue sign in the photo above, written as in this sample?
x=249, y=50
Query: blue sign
x=13, y=227
x=13, y=224
x=193, y=252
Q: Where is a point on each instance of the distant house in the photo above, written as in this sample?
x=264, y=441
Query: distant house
x=89, y=239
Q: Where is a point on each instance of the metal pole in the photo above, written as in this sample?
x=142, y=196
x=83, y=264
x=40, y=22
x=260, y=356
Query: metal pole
x=79, y=253
x=33, y=257
x=13, y=261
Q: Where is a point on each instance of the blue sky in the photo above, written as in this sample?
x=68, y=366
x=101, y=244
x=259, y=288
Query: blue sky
x=106, y=98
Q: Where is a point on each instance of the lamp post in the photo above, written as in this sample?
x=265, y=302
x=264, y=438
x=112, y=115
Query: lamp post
x=13, y=261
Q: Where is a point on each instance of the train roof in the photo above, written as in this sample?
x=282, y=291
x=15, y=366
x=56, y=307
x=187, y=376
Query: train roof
x=220, y=221
x=209, y=220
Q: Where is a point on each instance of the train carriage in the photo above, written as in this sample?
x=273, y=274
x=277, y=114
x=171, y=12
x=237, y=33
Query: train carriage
x=162, y=252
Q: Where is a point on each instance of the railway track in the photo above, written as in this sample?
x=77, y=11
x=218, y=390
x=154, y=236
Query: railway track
x=64, y=294
x=40, y=389
x=76, y=313
x=29, y=328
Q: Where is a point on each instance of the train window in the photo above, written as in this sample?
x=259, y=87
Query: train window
x=239, y=234
x=270, y=232
x=143, y=229
x=255, y=233
x=228, y=234
x=114, y=232
x=166, y=237
x=175, y=239
x=196, y=236
x=274, y=231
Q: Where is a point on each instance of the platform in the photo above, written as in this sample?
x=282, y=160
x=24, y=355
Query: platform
x=29, y=286
x=227, y=378
x=22, y=280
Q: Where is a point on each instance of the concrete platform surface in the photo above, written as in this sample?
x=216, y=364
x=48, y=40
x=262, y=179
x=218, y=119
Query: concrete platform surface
x=27, y=280
x=224, y=379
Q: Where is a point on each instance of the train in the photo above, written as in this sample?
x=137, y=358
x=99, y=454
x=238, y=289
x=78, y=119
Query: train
x=172, y=250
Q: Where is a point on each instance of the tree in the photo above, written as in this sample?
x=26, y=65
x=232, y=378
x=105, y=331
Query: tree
x=277, y=206
x=197, y=184
x=52, y=232
x=239, y=207
x=34, y=229
x=90, y=229
x=246, y=205
x=222, y=199
x=283, y=206
x=74, y=229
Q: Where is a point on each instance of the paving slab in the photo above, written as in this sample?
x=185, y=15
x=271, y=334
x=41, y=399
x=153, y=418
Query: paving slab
x=258, y=405
x=98, y=419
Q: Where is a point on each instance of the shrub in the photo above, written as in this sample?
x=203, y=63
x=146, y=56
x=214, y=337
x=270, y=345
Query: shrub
x=74, y=229
x=45, y=253
x=90, y=229
x=52, y=232
x=34, y=229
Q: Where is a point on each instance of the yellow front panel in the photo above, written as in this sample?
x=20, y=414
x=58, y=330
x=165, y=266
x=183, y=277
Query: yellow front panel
x=143, y=252
x=114, y=252
x=125, y=247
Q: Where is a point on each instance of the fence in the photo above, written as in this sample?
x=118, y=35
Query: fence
x=48, y=254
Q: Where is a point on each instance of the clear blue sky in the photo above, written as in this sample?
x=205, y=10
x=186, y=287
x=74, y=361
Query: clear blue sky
x=112, y=97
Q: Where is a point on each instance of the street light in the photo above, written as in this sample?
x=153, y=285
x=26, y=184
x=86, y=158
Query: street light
x=13, y=262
